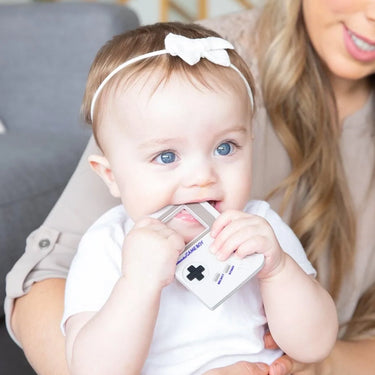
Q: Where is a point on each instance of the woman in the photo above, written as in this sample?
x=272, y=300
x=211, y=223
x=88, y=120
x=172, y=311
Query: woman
x=313, y=160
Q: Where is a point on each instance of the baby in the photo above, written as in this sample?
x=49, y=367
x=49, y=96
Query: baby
x=171, y=108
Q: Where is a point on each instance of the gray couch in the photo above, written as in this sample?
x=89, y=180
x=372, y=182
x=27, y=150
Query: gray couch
x=45, y=53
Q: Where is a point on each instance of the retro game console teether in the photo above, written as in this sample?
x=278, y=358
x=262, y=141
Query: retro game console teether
x=211, y=280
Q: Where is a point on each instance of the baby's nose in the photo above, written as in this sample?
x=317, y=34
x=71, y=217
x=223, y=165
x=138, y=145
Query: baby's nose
x=201, y=175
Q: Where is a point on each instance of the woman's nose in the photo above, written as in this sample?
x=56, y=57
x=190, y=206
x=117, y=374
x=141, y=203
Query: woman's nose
x=370, y=10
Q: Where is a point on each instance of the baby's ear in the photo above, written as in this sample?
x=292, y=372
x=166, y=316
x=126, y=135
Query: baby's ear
x=101, y=166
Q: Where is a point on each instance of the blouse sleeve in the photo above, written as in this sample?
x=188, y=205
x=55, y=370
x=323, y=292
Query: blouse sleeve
x=50, y=248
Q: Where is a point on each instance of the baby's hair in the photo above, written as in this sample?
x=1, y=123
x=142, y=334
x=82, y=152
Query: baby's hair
x=150, y=38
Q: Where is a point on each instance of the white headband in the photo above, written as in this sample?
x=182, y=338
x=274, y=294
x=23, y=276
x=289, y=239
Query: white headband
x=189, y=50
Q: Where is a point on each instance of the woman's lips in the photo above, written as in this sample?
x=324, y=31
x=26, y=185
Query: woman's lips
x=360, y=48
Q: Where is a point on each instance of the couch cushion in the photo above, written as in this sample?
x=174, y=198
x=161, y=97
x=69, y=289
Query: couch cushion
x=34, y=168
x=46, y=50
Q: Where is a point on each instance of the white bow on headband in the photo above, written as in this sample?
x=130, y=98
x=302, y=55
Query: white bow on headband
x=192, y=50
x=189, y=50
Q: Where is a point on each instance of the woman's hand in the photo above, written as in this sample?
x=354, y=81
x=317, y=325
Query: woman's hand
x=282, y=366
x=241, y=368
x=287, y=366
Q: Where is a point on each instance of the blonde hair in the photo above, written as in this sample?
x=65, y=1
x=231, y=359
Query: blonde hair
x=302, y=108
x=150, y=38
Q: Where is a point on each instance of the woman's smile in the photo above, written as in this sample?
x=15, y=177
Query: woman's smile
x=358, y=47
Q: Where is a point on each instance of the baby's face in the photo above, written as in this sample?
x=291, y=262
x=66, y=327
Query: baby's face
x=179, y=144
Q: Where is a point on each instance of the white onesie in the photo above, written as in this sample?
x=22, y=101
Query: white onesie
x=189, y=339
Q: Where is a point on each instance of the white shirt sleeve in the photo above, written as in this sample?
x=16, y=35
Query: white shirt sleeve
x=95, y=268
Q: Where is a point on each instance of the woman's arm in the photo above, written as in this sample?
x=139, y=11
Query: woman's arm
x=346, y=358
x=241, y=368
x=36, y=316
x=36, y=323
x=351, y=357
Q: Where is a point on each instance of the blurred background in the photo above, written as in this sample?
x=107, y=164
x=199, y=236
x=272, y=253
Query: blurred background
x=150, y=11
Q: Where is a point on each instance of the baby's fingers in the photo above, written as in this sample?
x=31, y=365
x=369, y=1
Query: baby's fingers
x=154, y=227
x=148, y=222
x=240, y=244
x=224, y=220
x=244, y=223
x=176, y=240
x=229, y=237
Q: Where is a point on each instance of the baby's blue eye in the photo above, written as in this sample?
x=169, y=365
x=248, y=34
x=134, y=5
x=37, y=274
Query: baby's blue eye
x=224, y=149
x=166, y=157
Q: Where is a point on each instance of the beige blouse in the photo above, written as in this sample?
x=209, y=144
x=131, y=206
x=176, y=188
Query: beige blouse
x=86, y=198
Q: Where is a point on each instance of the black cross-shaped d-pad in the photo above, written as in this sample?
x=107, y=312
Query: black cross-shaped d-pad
x=195, y=273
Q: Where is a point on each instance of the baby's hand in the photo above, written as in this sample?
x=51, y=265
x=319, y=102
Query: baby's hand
x=150, y=252
x=245, y=234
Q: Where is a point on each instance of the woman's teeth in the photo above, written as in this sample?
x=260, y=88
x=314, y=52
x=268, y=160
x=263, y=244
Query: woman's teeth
x=361, y=44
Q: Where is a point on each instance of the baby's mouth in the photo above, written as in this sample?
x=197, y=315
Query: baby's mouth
x=217, y=205
x=213, y=203
x=186, y=216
